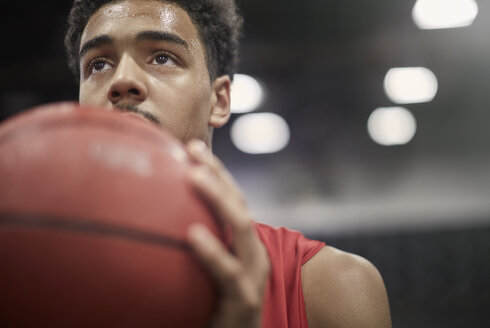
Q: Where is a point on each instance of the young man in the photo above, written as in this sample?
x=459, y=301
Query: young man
x=172, y=63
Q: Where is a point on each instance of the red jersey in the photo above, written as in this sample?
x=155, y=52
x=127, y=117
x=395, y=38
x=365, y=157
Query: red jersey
x=288, y=250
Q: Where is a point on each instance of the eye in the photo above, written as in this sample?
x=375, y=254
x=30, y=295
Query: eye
x=163, y=59
x=98, y=66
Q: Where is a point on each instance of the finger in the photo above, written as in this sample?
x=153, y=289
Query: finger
x=201, y=154
x=223, y=266
x=235, y=284
x=218, y=187
x=224, y=204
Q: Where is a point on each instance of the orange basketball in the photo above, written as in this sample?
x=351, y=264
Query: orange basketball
x=94, y=208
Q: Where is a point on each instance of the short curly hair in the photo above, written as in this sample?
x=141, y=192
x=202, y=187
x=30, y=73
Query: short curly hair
x=218, y=22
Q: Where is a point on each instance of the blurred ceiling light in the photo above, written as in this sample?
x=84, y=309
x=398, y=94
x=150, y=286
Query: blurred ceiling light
x=435, y=14
x=260, y=133
x=246, y=94
x=408, y=85
x=389, y=126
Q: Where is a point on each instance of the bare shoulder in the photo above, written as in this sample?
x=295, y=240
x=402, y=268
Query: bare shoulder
x=344, y=290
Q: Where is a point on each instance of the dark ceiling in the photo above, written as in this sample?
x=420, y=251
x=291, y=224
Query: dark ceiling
x=322, y=63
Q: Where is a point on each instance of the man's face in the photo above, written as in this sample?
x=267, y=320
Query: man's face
x=147, y=57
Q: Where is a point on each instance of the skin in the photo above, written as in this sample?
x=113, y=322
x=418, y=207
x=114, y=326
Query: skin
x=153, y=75
x=167, y=80
x=344, y=290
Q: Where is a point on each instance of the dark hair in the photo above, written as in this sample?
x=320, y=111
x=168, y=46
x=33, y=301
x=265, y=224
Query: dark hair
x=217, y=21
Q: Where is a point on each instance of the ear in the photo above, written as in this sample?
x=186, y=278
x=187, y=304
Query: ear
x=220, y=111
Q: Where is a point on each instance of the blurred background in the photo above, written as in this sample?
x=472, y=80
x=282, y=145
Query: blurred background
x=364, y=124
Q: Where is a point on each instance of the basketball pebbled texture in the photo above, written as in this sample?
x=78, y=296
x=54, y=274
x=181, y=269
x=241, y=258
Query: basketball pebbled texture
x=94, y=209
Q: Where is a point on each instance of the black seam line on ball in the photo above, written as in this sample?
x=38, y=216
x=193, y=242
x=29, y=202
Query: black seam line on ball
x=86, y=227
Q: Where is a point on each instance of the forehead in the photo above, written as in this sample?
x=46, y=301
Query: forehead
x=130, y=16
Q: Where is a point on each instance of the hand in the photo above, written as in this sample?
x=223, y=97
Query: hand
x=241, y=275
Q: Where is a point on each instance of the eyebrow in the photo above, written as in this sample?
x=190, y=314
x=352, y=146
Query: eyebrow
x=105, y=39
x=96, y=42
x=161, y=36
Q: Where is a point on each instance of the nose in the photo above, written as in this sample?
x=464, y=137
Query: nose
x=128, y=83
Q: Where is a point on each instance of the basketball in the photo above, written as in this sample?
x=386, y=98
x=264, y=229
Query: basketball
x=94, y=209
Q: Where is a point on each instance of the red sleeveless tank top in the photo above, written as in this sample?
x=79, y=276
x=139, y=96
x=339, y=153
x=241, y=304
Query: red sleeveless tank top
x=288, y=250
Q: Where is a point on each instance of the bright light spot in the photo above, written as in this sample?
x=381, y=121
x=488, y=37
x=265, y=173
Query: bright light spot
x=260, y=133
x=246, y=94
x=434, y=14
x=391, y=126
x=408, y=85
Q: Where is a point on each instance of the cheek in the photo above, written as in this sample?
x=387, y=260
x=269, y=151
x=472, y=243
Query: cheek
x=187, y=115
x=201, y=106
x=185, y=98
x=89, y=94
x=82, y=95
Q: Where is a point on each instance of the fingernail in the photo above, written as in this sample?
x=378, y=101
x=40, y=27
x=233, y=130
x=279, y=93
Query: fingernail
x=198, y=233
x=197, y=174
x=198, y=145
